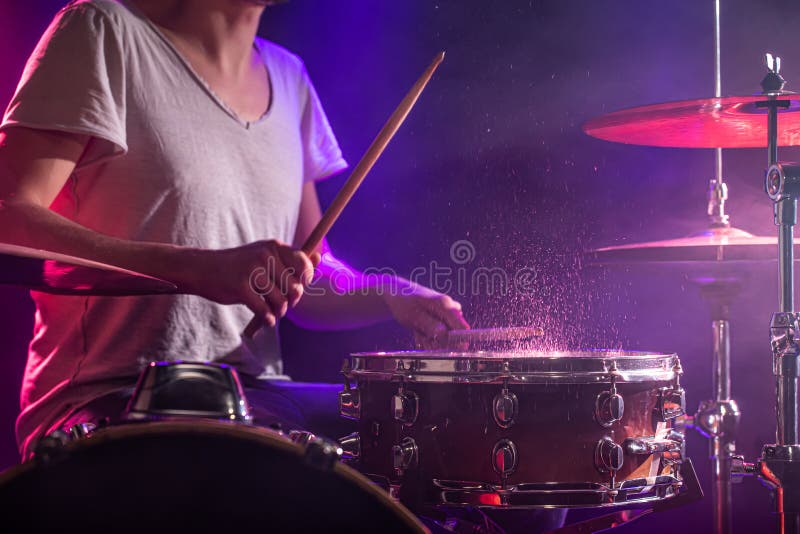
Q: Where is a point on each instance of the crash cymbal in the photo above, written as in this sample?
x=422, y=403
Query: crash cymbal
x=714, y=245
x=728, y=122
x=49, y=272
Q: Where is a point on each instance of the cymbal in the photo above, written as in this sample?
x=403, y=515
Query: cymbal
x=50, y=272
x=713, y=245
x=727, y=122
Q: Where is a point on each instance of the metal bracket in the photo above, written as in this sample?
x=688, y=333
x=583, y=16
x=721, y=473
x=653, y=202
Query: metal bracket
x=608, y=456
x=505, y=407
x=351, y=446
x=405, y=456
x=350, y=402
x=405, y=406
x=609, y=406
x=505, y=457
x=670, y=403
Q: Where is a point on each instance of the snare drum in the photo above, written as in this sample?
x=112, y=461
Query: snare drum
x=193, y=476
x=522, y=429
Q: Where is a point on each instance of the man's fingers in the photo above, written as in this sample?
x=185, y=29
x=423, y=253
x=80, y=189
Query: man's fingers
x=449, y=312
x=283, y=278
x=456, y=321
x=263, y=315
x=300, y=265
x=430, y=329
x=277, y=302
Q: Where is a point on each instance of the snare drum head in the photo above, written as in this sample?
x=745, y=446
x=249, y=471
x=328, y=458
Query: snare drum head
x=203, y=475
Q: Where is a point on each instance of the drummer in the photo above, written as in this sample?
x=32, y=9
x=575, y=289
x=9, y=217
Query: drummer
x=164, y=137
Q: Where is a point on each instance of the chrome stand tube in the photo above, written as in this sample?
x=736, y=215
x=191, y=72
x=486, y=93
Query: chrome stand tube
x=723, y=445
x=785, y=365
x=779, y=464
x=786, y=247
x=718, y=419
x=722, y=356
x=783, y=327
x=719, y=192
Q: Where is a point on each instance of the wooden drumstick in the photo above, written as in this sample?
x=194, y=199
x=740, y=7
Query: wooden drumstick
x=361, y=170
x=512, y=333
x=491, y=338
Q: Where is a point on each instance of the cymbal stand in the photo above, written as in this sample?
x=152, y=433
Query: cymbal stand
x=718, y=191
x=779, y=465
x=718, y=419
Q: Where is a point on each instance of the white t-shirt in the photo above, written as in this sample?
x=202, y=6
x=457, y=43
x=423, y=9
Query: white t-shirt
x=168, y=162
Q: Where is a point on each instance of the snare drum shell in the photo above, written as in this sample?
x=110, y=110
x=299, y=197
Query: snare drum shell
x=555, y=432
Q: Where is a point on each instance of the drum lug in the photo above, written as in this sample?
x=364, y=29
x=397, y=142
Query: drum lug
x=319, y=452
x=608, y=456
x=609, y=407
x=505, y=457
x=406, y=455
x=301, y=437
x=405, y=407
x=52, y=446
x=322, y=453
x=81, y=430
x=505, y=407
x=670, y=403
x=351, y=446
x=350, y=403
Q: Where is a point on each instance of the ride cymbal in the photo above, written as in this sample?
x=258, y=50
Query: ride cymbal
x=727, y=122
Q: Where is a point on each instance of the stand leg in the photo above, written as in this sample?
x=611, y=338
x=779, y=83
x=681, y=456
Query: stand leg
x=780, y=463
x=718, y=419
x=723, y=443
x=721, y=490
x=786, y=409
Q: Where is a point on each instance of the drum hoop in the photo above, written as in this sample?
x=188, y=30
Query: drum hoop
x=559, y=494
x=577, y=367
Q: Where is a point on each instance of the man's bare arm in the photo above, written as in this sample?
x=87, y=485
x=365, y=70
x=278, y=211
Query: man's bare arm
x=35, y=165
x=368, y=299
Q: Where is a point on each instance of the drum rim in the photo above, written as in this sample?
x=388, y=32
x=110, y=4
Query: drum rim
x=579, y=366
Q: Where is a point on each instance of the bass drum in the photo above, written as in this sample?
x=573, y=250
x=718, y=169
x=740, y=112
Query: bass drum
x=195, y=475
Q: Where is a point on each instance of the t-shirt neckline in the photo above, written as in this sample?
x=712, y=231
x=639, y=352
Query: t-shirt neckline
x=203, y=83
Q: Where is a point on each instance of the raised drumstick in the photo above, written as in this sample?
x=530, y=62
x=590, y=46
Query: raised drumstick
x=361, y=170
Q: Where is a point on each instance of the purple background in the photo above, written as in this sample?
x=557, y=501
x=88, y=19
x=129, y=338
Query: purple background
x=493, y=153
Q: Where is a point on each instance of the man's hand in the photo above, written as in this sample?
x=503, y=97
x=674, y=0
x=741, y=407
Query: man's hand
x=426, y=313
x=266, y=276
